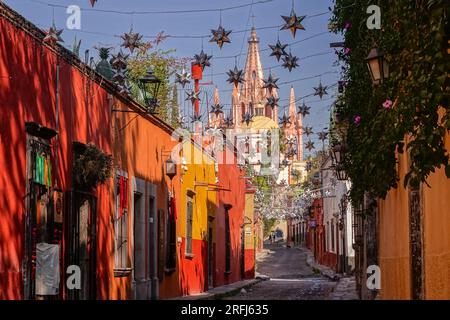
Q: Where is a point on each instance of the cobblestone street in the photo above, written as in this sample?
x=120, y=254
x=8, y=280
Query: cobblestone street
x=290, y=278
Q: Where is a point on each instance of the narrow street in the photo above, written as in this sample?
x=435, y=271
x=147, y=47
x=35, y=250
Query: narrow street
x=290, y=278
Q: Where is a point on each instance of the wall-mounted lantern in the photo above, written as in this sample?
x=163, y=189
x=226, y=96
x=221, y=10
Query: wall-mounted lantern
x=378, y=67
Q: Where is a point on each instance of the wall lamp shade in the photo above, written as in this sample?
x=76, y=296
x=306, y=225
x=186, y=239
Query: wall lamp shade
x=171, y=168
x=149, y=86
x=378, y=67
x=338, y=153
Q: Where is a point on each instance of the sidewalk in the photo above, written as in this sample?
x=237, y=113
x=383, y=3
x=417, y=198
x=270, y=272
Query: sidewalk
x=346, y=285
x=221, y=292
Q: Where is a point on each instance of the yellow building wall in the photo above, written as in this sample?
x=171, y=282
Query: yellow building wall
x=199, y=173
x=436, y=207
x=250, y=237
x=394, y=254
x=394, y=244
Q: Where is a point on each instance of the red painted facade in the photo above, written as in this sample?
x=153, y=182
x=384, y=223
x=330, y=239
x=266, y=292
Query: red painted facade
x=231, y=203
x=315, y=231
x=45, y=86
x=28, y=93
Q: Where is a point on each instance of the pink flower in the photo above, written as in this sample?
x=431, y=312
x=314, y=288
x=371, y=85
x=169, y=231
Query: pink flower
x=357, y=120
x=347, y=50
x=387, y=104
x=347, y=25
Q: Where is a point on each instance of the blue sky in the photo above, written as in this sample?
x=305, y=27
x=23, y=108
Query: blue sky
x=103, y=28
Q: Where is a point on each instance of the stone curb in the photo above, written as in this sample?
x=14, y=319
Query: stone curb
x=326, y=272
x=224, y=291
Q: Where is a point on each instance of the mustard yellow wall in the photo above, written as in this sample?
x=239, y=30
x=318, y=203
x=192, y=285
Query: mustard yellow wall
x=394, y=250
x=394, y=256
x=204, y=200
x=436, y=206
x=249, y=214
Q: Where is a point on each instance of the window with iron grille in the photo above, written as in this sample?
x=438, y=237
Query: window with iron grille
x=332, y=235
x=189, y=222
x=227, y=243
x=171, y=238
x=121, y=223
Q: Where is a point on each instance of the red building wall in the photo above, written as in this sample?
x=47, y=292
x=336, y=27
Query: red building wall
x=233, y=193
x=28, y=94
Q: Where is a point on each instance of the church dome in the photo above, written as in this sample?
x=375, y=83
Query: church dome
x=261, y=122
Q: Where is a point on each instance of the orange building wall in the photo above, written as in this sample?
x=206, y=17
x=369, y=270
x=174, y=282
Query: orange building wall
x=394, y=248
x=140, y=149
x=436, y=206
x=394, y=255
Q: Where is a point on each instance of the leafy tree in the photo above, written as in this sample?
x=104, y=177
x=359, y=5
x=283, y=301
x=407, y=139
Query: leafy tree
x=164, y=66
x=414, y=38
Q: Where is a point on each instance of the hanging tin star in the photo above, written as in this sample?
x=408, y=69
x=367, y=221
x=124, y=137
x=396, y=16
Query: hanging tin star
x=193, y=96
x=228, y=121
x=308, y=131
x=217, y=109
x=291, y=140
x=220, y=36
x=321, y=90
x=131, y=40
x=119, y=75
x=247, y=118
x=92, y=2
x=53, y=35
x=183, y=78
x=285, y=120
x=291, y=153
x=278, y=50
x=310, y=146
x=284, y=163
x=202, y=59
x=196, y=118
x=125, y=89
x=293, y=22
x=290, y=62
x=119, y=61
x=270, y=83
x=235, y=76
x=272, y=102
x=181, y=120
x=304, y=110
x=323, y=135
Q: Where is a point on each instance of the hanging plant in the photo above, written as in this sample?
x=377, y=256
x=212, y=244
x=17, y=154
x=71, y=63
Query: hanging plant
x=91, y=167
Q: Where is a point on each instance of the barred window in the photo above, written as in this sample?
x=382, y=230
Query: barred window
x=121, y=223
x=189, y=222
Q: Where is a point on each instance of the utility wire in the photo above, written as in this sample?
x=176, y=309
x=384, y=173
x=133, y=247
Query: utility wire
x=156, y=12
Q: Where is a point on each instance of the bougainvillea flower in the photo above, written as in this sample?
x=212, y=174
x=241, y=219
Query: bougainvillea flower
x=357, y=120
x=387, y=104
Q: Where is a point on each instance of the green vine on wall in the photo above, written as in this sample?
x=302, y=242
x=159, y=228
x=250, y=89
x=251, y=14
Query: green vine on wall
x=414, y=37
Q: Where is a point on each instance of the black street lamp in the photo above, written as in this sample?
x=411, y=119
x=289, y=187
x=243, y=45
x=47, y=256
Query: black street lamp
x=378, y=67
x=149, y=86
x=338, y=153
